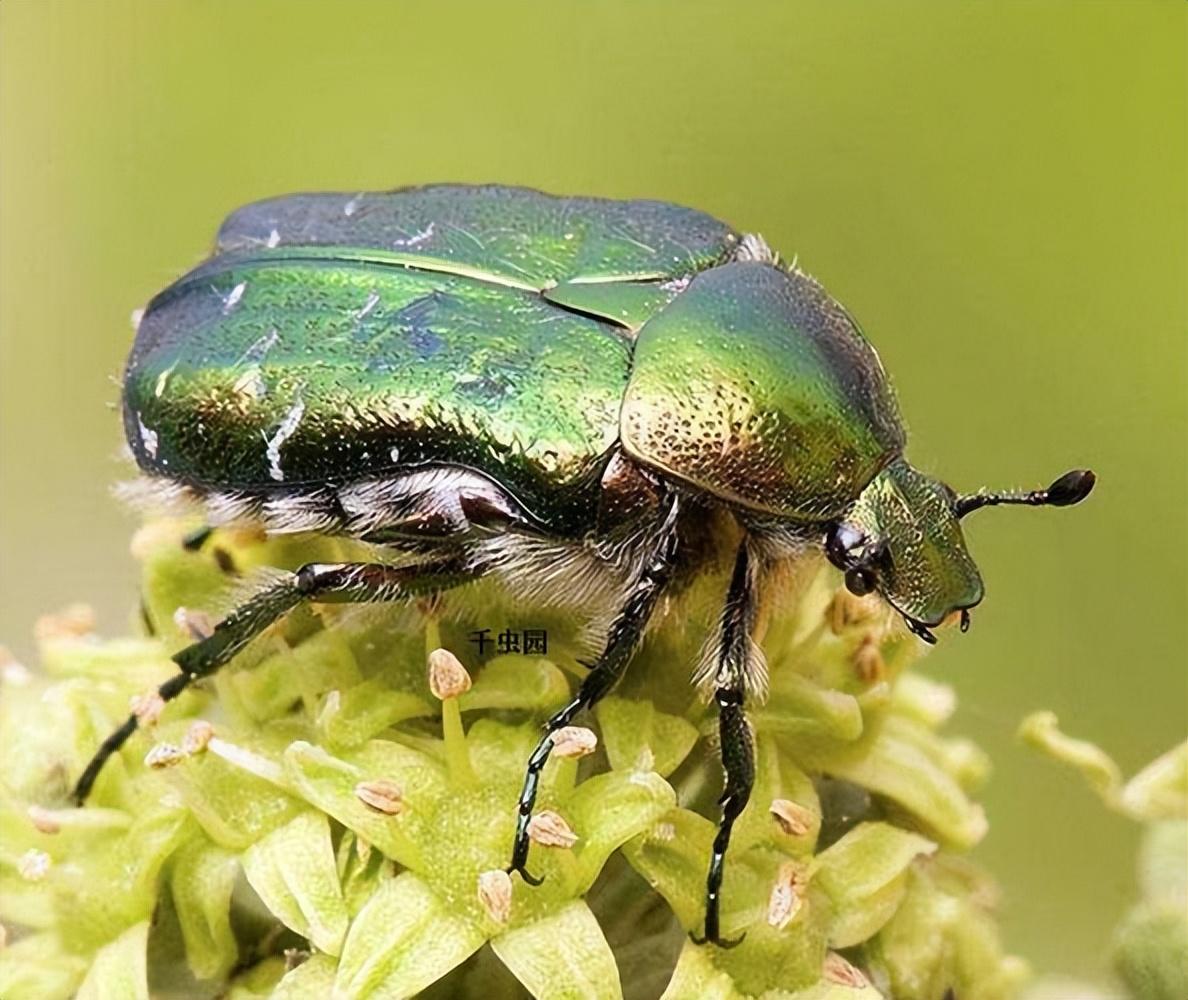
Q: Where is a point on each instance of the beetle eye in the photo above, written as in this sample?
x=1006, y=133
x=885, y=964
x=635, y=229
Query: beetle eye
x=860, y=581
x=841, y=541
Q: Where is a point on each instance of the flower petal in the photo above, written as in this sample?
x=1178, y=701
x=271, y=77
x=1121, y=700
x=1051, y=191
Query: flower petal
x=403, y=940
x=119, y=970
x=293, y=872
x=864, y=876
x=608, y=810
x=639, y=738
x=563, y=956
x=203, y=878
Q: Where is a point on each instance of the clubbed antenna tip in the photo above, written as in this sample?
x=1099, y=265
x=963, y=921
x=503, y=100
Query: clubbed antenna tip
x=1069, y=489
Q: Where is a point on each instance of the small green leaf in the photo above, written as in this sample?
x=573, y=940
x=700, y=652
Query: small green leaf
x=293, y=872
x=403, y=940
x=119, y=970
x=924, y=699
x=942, y=938
x=562, y=957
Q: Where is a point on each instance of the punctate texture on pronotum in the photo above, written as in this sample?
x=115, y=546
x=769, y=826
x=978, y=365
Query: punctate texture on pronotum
x=588, y=400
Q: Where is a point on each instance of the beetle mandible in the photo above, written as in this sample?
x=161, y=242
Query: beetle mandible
x=506, y=383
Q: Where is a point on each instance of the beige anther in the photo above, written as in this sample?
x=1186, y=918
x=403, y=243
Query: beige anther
x=381, y=795
x=791, y=817
x=848, y=609
x=787, y=896
x=837, y=970
x=73, y=622
x=868, y=660
x=574, y=741
x=197, y=737
x=550, y=830
x=163, y=755
x=495, y=892
x=447, y=677
x=43, y=819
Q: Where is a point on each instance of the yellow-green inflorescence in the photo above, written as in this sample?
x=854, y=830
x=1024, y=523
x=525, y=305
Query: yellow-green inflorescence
x=330, y=816
x=1150, y=948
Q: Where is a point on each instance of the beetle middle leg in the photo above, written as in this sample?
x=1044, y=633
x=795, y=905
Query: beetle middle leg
x=622, y=638
x=339, y=583
x=733, y=674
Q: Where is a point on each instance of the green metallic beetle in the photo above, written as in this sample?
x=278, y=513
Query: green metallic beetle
x=555, y=391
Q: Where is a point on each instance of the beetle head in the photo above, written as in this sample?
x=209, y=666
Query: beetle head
x=903, y=538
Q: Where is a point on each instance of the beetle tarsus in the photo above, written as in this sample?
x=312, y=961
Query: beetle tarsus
x=717, y=940
x=527, y=876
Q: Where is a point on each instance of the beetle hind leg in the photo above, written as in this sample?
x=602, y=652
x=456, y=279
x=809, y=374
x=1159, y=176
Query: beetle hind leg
x=323, y=582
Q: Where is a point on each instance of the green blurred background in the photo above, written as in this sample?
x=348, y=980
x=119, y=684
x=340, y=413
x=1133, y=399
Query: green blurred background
x=996, y=190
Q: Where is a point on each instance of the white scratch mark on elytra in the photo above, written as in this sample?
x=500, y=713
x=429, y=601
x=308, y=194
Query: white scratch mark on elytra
x=273, y=239
x=159, y=388
x=231, y=299
x=394, y=454
x=417, y=238
x=352, y=206
x=285, y=431
x=258, y=349
x=148, y=437
x=371, y=303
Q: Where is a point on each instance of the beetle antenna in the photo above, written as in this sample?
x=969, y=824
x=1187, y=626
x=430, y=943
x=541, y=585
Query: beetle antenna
x=1069, y=489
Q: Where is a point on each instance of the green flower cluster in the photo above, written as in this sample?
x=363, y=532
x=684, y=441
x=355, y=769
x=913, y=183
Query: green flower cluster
x=1151, y=943
x=340, y=825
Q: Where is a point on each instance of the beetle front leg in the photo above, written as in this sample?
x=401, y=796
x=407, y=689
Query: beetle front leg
x=738, y=760
x=733, y=673
x=325, y=582
x=622, y=639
